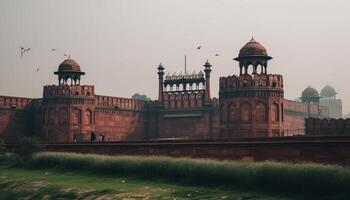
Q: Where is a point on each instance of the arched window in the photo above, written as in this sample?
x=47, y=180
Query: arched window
x=260, y=112
x=274, y=112
x=88, y=117
x=250, y=69
x=232, y=113
x=245, y=112
x=76, y=118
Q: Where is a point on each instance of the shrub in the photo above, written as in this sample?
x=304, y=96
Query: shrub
x=273, y=176
x=2, y=146
x=25, y=147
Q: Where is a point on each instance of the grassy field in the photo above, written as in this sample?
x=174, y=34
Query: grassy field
x=76, y=176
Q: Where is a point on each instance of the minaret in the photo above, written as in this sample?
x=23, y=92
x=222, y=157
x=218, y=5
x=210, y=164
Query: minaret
x=207, y=70
x=161, y=78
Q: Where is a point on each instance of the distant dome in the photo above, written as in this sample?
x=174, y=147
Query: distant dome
x=252, y=48
x=69, y=65
x=328, y=91
x=309, y=92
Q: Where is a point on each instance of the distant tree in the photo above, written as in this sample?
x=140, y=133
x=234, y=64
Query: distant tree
x=138, y=96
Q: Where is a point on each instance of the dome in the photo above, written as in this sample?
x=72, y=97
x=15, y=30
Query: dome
x=328, y=91
x=310, y=92
x=252, y=48
x=69, y=65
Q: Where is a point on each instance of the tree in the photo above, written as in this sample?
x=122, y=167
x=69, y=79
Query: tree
x=138, y=96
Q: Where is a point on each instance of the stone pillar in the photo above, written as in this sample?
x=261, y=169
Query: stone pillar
x=161, y=78
x=207, y=71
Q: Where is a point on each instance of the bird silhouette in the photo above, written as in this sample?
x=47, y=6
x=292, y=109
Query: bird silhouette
x=23, y=50
x=37, y=69
x=217, y=54
x=52, y=50
x=199, y=47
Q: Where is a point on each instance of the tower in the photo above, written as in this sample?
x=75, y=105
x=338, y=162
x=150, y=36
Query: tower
x=207, y=70
x=310, y=96
x=185, y=109
x=160, y=83
x=68, y=108
x=251, y=104
x=329, y=99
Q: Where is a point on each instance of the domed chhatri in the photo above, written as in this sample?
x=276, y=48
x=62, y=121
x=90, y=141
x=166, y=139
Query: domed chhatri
x=310, y=95
x=252, y=48
x=69, y=65
x=328, y=92
x=310, y=92
x=255, y=54
x=69, y=69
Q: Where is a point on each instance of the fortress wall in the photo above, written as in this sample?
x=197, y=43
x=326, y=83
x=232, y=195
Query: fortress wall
x=118, y=124
x=120, y=103
x=193, y=124
x=15, y=117
x=121, y=118
x=14, y=102
x=295, y=114
x=317, y=126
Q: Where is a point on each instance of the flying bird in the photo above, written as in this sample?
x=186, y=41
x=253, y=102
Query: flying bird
x=217, y=54
x=23, y=50
x=199, y=47
x=37, y=69
x=52, y=49
x=66, y=55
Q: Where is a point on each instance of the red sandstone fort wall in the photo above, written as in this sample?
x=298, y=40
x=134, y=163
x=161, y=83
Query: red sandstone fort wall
x=120, y=118
x=295, y=114
x=15, y=117
x=317, y=126
x=195, y=124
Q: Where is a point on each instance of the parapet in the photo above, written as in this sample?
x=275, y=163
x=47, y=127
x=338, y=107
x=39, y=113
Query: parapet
x=120, y=103
x=68, y=91
x=317, y=126
x=14, y=102
x=258, y=80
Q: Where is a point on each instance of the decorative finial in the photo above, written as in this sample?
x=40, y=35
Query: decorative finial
x=252, y=40
x=160, y=66
x=207, y=62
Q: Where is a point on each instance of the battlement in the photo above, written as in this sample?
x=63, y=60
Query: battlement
x=326, y=126
x=245, y=81
x=184, y=82
x=186, y=76
x=15, y=102
x=68, y=90
x=120, y=103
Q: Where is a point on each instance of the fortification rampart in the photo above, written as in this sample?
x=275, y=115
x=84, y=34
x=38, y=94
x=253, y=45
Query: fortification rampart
x=326, y=126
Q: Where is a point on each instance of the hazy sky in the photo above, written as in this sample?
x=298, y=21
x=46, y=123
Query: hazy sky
x=119, y=43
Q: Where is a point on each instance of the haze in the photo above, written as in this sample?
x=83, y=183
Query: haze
x=119, y=44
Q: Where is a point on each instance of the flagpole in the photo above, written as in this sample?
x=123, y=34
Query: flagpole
x=185, y=63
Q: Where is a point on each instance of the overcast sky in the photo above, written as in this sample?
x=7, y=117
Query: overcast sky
x=119, y=43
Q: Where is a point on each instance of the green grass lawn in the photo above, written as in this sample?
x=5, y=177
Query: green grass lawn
x=17, y=183
x=76, y=176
